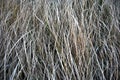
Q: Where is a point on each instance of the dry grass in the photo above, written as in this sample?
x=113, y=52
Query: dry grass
x=59, y=40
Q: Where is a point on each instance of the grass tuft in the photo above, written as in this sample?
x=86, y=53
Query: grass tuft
x=59, y=40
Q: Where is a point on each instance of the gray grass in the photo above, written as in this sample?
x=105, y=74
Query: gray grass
x=59, y=40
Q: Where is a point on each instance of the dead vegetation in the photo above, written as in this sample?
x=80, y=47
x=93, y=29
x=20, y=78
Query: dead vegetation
x=59, y=40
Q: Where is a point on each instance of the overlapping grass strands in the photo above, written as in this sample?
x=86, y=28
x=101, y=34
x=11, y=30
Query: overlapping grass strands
x=59, y=40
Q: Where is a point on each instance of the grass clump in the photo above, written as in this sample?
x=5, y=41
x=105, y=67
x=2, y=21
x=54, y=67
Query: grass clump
x=59, y=40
